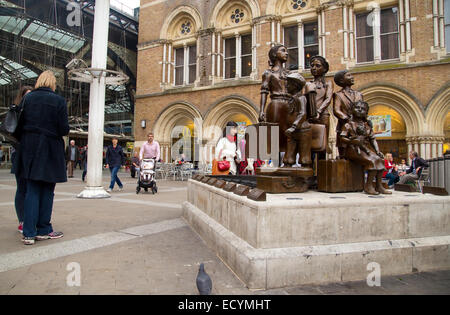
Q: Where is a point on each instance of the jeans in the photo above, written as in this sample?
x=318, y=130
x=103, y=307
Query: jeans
x=38, y=208
x=84, y=171
x=114, y=177
x=393, y=179
x=19, y=201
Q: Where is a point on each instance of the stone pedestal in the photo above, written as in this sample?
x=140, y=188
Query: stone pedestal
x=283, y=180
x=314, y=238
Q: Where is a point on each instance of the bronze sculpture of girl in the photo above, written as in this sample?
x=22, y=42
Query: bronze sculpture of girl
x=362, y=148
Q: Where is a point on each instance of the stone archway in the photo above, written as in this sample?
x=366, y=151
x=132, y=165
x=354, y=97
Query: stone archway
x=407, y=106
x=180, y=114
x=180, y=12
x=220, y=113
x=253, y=5
x=436, y=114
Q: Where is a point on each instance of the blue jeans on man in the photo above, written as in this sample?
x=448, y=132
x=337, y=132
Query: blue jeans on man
x=38, y=208
x=114, y=177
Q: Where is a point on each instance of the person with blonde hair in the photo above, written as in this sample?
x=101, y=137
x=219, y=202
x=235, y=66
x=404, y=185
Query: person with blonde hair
x=40, y=158
x=391, y=172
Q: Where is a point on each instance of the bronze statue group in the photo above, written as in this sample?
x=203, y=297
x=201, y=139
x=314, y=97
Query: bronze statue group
x=301, y=109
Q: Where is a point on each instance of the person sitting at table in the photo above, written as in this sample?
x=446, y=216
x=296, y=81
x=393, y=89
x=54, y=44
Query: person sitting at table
x=414, y=172
x=391, y=172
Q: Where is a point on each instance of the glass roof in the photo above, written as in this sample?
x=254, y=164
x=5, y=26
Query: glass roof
x=12, y=24
x=41, y=32
x=10, y=70
x=119, y=107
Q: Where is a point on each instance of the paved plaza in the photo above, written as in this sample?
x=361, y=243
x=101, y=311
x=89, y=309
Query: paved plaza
x=139, y=244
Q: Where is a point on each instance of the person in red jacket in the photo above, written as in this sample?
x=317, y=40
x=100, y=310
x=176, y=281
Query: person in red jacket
x=391, y=172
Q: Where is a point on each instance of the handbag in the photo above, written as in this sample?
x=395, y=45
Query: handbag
x=223, y=165
x=12, y=118
x=215, y=167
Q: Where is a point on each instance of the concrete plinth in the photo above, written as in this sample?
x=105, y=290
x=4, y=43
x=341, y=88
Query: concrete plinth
x=314, y=238
x=94, y=193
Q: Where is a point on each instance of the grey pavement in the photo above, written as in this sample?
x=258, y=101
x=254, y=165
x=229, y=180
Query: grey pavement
x=139, y=244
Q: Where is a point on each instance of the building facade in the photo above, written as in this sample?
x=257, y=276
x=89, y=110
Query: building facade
x=200, y=64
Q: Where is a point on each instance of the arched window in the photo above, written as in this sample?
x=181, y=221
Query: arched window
x=234, y=42
x=180, y=52
x=297, y=27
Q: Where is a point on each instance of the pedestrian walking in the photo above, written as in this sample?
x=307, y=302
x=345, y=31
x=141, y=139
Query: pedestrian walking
x=21, y=183
x=40, y=158
x=115, y=158
x=72, y=156
x=84, y=156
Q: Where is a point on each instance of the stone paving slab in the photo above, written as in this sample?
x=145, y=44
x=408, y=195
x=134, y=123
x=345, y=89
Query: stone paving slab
x=154, y=260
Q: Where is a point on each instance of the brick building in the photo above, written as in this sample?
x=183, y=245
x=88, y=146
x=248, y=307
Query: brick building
x=200, y=64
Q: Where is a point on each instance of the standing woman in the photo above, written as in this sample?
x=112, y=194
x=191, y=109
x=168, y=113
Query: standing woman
x=20, y=182
x=40, y=158
x=227, y=148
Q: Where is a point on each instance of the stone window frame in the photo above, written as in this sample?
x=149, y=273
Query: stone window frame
x=186, y=64
x=223, y=29
x=301, y=40
x=447, y=25
x=238, y=57
x=376, y=34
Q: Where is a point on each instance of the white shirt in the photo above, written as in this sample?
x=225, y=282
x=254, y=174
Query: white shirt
x=228, y=150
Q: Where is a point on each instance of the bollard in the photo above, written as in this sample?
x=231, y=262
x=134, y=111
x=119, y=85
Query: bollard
x=434, y=172
x=447, y=172
x=441, y=172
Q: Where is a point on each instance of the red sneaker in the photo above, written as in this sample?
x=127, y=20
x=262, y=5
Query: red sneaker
x=20, y=228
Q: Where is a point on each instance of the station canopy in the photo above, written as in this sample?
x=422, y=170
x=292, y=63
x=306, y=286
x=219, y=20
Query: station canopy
x=41, y=32
x=11, y=71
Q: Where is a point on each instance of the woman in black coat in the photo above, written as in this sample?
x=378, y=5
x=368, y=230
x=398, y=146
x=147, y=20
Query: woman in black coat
x=41, y=160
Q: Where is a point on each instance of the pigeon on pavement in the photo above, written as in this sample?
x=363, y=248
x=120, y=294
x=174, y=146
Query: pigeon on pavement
x=204, y=283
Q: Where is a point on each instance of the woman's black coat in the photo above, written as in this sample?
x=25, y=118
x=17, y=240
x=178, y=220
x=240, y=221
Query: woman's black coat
x=42, y=125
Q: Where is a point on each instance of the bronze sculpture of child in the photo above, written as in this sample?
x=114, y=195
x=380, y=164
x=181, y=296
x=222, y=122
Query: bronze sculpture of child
x=362, y=148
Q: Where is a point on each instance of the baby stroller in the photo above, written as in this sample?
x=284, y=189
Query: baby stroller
x=146, y=177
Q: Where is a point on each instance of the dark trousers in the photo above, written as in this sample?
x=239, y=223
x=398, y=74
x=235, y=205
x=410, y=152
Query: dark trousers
x=38, y=208
x=19, y=201
x=83, y=176
x=70, y=165
x=114, y=177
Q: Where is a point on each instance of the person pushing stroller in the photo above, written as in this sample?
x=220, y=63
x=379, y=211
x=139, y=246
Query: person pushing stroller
x=150, y=150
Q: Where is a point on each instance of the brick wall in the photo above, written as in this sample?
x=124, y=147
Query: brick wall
x=423, y=76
